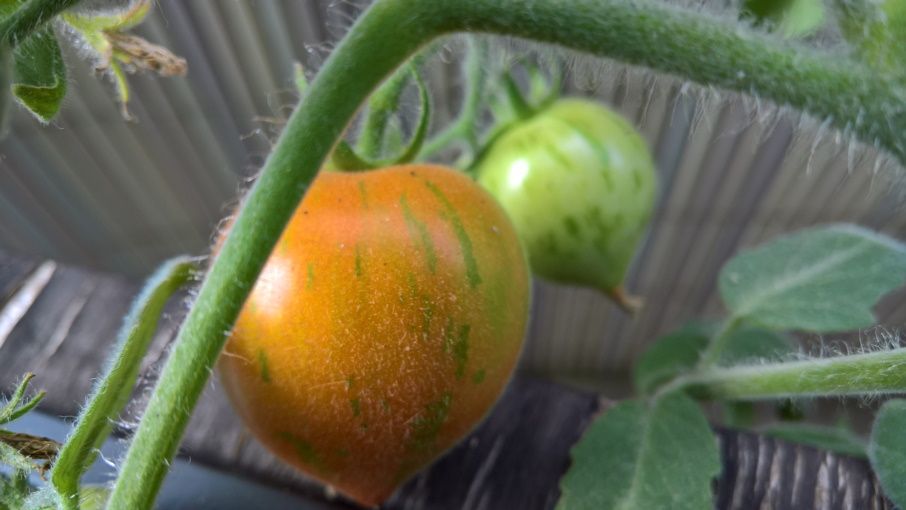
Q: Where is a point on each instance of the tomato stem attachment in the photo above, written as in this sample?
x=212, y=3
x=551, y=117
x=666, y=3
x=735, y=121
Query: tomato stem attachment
x=346, y=158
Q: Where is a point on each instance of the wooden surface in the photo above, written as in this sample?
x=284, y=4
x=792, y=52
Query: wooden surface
x=59, y=322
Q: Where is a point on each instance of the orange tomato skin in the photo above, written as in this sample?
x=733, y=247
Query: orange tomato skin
x=384, y=326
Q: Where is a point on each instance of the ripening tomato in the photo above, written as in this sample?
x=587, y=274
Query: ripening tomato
x=385, y=324
x=579, y=184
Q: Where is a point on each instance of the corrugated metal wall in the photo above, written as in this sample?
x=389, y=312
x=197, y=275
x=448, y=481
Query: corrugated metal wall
x=93, y=190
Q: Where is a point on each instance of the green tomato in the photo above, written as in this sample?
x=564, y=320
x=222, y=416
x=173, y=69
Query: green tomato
x=579, y=184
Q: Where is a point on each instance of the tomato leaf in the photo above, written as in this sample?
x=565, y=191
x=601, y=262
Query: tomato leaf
x=791, y=18
x=39, y=78
x=738, y=415
x=877, y=30
x=424, y=121
x=752, y=343
x=13, y=408
x=822, y=279
x=653, y=455
x=670, y=356
x=679, y=352
x=835, y=439
x=887, y=451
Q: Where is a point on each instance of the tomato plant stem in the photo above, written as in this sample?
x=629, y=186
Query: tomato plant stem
x=466, y=123
x=383, y=104
x=30, y=17
x=688, y=43
x=859, y=374
x=112, y=391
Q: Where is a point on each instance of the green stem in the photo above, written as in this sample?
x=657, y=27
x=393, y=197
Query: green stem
x=466, y=123
x=688, y=43
x=112, y=392
x=381, y=106
x=858, y=375
x=384, y=103
x=28, y=18
x=517, y=101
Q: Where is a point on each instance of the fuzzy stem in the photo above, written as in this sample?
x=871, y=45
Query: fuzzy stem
x=383, y=104
x=687, y=43
x=28, y=18
x=857, y=375
x=112, y=391
x=466, y=123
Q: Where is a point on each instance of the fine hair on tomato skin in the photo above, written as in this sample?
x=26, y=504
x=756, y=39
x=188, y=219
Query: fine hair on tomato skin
x=384, y=326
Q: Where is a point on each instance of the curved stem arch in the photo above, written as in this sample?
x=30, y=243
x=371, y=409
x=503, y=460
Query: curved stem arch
x=689, y=44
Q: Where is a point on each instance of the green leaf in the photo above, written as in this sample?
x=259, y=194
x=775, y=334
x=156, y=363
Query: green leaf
x=751, y=343
x=877, y=30
x=39, y=80
x=424, y=121
x=791, y=18
x=346, y=158
x=670, y=356
x=739, y=415
x=11, y=409
x=887, y=450
x=644, y=455
x=824, y=279
x=835, y=439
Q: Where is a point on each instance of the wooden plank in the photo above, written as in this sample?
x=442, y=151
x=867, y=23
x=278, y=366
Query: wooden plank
x=62, y=322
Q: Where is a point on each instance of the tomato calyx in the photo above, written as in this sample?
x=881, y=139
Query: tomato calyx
x=346, y=158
